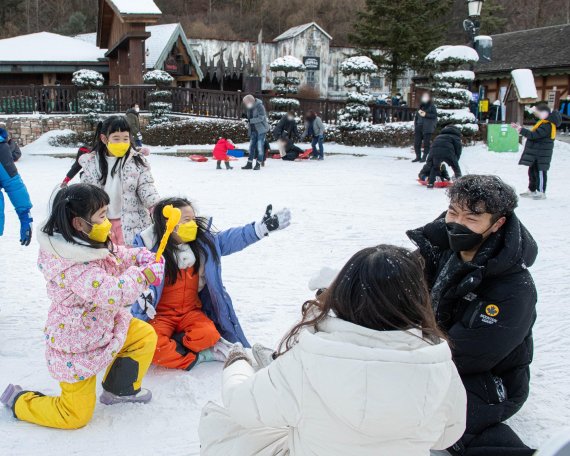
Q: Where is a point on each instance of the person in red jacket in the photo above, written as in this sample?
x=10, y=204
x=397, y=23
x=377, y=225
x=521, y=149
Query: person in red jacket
x=76, y=167
x=221, y=152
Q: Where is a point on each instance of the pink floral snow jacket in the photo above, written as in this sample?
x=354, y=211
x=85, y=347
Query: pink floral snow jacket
x=139, y=192
x=91, y=291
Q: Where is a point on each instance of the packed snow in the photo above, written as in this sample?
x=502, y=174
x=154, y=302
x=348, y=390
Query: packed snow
x=136, y=6
x=524, y=82
x=49, y=47
x=339, y=206
x=457, y=76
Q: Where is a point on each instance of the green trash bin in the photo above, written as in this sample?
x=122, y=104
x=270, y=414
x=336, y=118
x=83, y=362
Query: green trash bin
x=502, y=138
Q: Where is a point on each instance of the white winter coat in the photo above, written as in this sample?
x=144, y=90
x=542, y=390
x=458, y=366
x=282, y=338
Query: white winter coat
x=344, y=390
x=138, y=191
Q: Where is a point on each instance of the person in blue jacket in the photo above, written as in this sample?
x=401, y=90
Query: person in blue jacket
x=12, y=184
x=190, y=310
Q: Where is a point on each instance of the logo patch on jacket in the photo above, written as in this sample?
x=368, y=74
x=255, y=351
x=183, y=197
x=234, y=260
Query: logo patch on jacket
x=492, y=310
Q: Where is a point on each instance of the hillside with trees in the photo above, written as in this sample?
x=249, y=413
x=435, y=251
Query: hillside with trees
x=244, y=19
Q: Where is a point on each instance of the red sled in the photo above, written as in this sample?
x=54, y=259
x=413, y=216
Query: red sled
x=198, y=158
x=443, y=184
x=305, y=155
x=276, y=156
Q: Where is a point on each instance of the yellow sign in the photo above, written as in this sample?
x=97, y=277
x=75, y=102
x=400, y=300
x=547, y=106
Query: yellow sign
x=484, y=106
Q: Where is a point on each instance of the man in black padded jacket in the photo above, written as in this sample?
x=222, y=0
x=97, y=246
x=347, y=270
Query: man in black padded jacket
x=477, y=256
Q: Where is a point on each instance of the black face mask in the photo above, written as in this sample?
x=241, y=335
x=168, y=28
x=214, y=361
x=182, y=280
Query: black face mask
x=463, y=239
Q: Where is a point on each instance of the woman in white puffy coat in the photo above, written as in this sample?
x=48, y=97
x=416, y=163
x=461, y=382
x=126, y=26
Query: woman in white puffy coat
x=366, y=372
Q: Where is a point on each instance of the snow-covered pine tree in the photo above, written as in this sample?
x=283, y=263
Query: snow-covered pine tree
x=285, y=85
x=161, y=98
x=90, y=100
x=449, y=86
x=357, y=113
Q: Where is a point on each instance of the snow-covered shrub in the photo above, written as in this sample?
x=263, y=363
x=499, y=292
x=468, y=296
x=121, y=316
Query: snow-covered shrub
x=357, y=113
x=72, y=139
x=285, y=85
x=90, y=100
x=449, y=81
x=398, y=134
x=161, y=98
x=195, y=131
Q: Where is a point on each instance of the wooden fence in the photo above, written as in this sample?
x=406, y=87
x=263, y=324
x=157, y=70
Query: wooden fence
x=210, y=103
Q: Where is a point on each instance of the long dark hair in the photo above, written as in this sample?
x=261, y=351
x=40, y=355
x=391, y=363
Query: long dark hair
x=381, y=288
x=202, y=247
x=78, y=200
x=109, y=126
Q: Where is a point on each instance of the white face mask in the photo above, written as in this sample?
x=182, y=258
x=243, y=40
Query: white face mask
x=249, y=106
x=290, y=118
x=137, y=109
x=425, y=99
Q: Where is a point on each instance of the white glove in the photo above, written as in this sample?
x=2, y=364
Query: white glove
x=145, y=303
x=322, y=279
x=272, y=222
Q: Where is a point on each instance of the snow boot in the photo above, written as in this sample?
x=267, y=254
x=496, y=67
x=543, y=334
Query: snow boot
x=539, y=196
x=219, y=166
x=263, y=355
x=430, y=186
x=416, y=160
x=9, y=395
x=248, y=166
x=257, y=166
x=222, y=349
x=228, y=166
x=143, y=396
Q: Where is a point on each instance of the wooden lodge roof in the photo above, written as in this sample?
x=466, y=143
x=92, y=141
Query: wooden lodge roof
x=543, y=48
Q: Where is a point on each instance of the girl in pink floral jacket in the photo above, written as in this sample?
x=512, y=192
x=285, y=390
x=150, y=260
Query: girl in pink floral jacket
x=91, y=284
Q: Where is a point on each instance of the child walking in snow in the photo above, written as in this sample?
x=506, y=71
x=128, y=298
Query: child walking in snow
x=351, y=378
x=191, y=311
x=221, y=152
x=89, y=328
x=124, y=173
x=538, y=149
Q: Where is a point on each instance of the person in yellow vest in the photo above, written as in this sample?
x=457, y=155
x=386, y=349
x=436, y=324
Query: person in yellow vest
x=538, y=149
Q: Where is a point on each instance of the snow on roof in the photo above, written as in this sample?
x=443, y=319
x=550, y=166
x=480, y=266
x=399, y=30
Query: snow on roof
x=294, y=31
x=48, y=47
x=524, y=82
x=136, y=6
x=160, y=36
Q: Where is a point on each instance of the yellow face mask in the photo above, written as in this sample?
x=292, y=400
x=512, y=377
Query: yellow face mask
x=187, y=232
x=99, y=231
x=118, y=149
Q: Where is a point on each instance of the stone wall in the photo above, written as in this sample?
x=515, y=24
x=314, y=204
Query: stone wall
x=26, y=129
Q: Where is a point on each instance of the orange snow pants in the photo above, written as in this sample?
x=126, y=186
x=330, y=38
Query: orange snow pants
x=182, y=328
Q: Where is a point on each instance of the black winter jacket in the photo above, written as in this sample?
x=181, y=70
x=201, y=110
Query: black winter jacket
x=447, y=145
x=286, y=129
x=540, y=145
x=428, y=123
x=487, y=307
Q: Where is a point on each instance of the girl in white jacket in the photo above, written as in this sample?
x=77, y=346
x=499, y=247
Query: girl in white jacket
x=366, y=372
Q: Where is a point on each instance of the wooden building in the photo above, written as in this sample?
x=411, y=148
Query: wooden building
x=544, y=50
x=121, y=29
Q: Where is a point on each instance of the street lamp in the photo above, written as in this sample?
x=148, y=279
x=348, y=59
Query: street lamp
x=475, y=7
x=473, y=24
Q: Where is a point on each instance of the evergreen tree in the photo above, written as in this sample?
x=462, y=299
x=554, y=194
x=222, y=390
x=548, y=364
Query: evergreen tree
x=405, y=30
x=493, y=18
x=76, y=24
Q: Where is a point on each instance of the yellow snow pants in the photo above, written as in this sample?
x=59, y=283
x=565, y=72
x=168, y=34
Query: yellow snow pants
x=74, y=408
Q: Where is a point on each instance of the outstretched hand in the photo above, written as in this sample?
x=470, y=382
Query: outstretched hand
x=273, y=222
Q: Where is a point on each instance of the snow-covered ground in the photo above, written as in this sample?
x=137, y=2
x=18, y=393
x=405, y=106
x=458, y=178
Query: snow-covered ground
x=339, y=206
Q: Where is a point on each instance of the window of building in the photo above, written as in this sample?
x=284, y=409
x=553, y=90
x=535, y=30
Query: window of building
x=311, y=80
x=376, y=82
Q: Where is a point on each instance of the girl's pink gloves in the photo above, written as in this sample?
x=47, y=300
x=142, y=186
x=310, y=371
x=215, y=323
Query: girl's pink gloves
x=153, y=271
